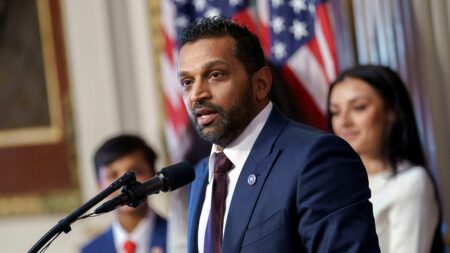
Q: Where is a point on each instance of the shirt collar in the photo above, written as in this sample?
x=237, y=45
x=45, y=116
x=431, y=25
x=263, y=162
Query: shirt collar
x=138, y=235
x=239, y=149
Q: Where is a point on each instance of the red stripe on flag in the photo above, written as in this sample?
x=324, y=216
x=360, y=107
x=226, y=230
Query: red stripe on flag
x=243, y=17
x=308, y=112
x=264, y=39
x=324, y=19
x=263, y=31
x=177, y=116
x=169, y=45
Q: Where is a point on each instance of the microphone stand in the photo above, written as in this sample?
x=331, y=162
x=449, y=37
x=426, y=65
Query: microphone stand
x=64, y=224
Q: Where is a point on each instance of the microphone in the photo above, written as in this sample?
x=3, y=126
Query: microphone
x=135, y=194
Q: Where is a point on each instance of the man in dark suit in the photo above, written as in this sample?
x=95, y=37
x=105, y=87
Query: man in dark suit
x=134, y=230
x=270, y=184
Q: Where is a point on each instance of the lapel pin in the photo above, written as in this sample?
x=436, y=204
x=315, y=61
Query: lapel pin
x=251, y=180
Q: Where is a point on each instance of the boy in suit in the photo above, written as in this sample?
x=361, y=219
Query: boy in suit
x=133, y=230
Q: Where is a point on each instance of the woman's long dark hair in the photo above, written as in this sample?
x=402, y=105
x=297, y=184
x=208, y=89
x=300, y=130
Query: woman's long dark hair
x=403, y=142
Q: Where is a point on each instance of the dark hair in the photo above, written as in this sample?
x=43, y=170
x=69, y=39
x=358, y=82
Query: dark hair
x=247, y=47
x=119, y=146
x=403, y=142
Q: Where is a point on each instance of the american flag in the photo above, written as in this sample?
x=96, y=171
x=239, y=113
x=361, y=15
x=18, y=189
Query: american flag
x=297, y=39
x=302, y=46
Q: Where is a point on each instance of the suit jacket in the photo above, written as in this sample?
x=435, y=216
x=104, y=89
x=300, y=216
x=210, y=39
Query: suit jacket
x=104, y=243
x=311, y=195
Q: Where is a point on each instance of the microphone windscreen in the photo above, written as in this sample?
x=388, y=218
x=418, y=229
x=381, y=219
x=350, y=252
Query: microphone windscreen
x=178, y=175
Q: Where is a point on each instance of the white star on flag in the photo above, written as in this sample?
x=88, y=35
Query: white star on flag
x=234, y=2
x=279, y=50
x=298, y=5
x=277, y=3
x=312, y=8
x=298, y=29
x=278, y=24
x=211, y=12
x=199, y=5
x=181, y=21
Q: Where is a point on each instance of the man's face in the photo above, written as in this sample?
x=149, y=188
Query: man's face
x=217, y=91
x=134, y=161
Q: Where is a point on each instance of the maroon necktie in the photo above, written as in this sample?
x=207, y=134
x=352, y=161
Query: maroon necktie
x=214, y=228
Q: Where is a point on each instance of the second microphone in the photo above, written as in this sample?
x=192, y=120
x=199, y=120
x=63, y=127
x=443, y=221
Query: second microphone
x=135, y=194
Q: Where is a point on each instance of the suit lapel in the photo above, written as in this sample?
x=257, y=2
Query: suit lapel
x=259, y=163
x=158, y=235
x=108, y=246
x=196, y=197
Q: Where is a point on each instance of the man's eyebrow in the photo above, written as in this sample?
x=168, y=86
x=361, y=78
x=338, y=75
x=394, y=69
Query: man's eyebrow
x=182, y=73
x=211, y=64
x=207, y=65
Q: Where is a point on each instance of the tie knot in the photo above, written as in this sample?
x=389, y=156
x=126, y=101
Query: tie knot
x=222, y=164
x=129, y=246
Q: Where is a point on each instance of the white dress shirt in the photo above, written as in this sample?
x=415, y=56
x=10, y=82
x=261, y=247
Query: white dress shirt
x=140, y=235
x=405, y=209
x=237, y=152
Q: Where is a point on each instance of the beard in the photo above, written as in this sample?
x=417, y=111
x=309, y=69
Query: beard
x=229, y=124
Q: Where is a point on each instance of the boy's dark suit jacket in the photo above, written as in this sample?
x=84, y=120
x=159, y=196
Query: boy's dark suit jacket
x=104, y=243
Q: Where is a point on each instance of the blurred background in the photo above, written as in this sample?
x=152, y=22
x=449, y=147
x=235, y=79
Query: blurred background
x=73, y=73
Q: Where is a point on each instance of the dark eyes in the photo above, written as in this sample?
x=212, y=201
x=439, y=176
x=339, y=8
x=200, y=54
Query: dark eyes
x=216, y=74
x=186, y=82
x=357, y=108
x=112, y=175
x=213, y=76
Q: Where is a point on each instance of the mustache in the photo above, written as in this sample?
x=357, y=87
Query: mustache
x=196, y=106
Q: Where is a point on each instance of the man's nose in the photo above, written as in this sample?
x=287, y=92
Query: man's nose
x=200, y=91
